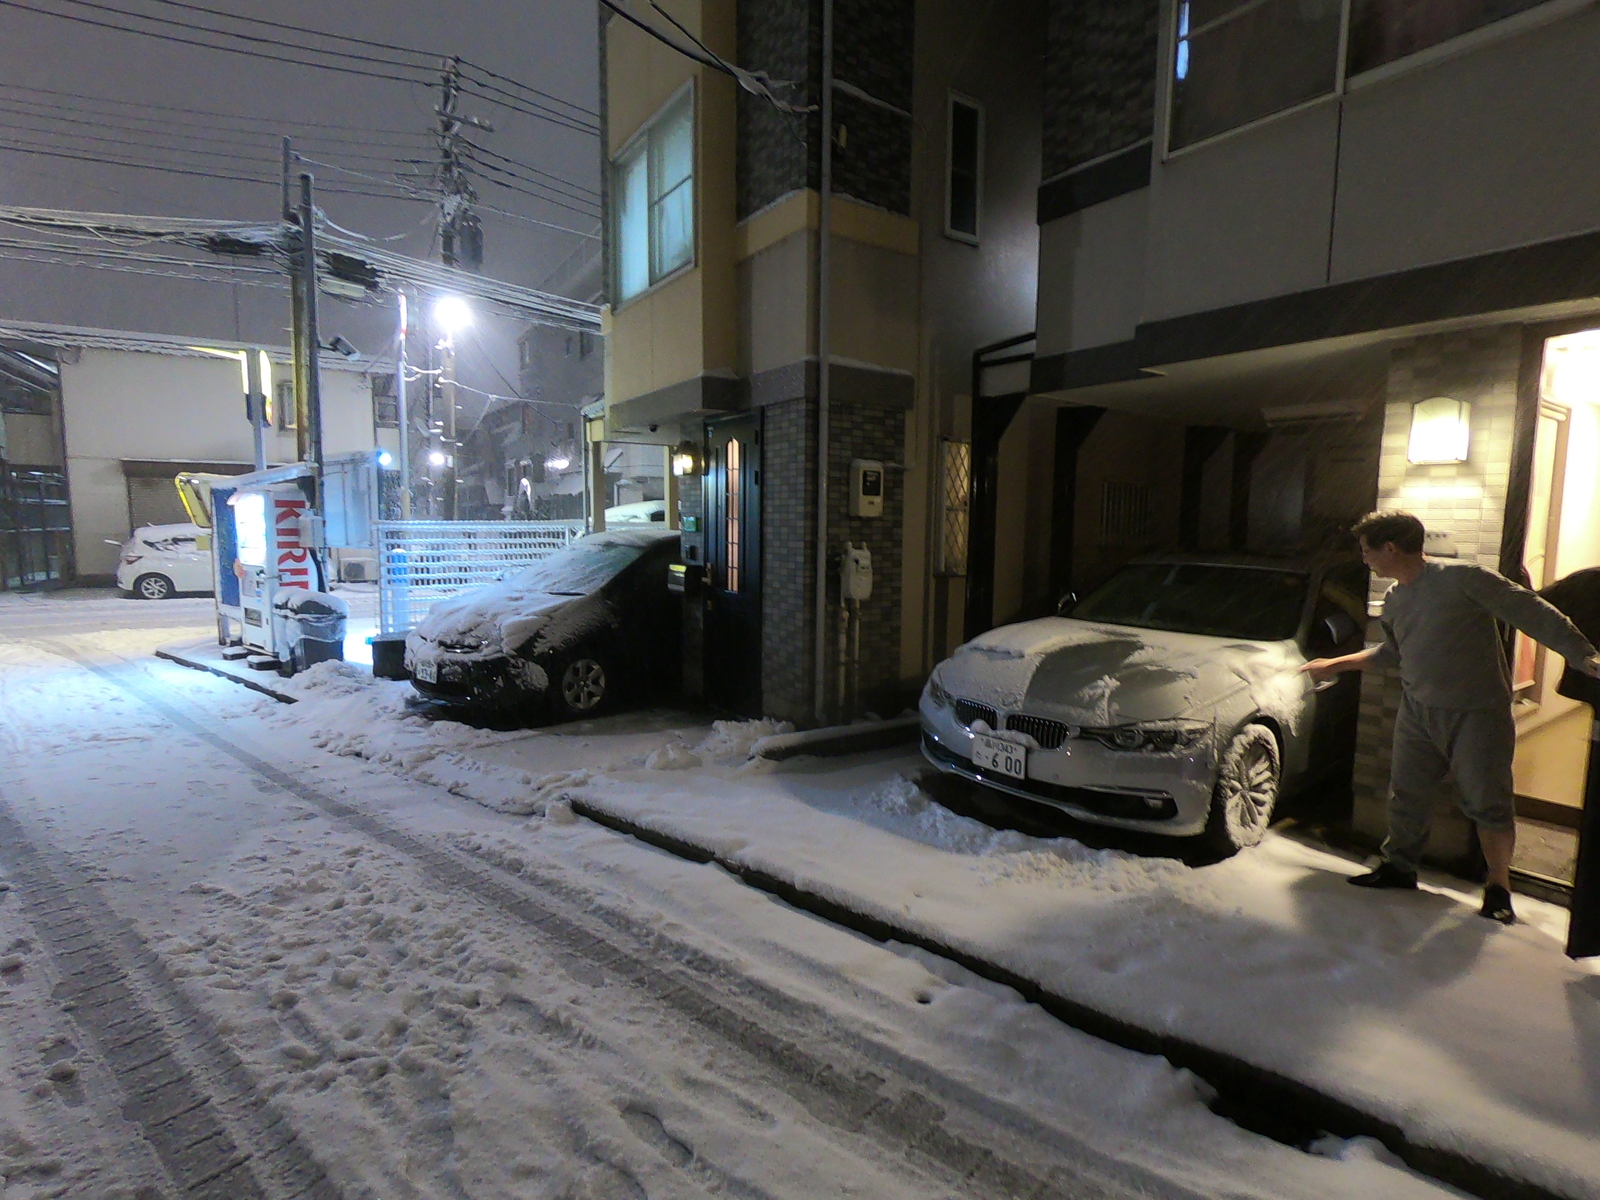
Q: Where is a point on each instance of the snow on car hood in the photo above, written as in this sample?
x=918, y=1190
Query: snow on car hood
x=1099, y=675
x=490, y=621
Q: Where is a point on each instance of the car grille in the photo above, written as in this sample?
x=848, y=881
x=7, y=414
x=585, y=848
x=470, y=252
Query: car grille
x=1049, y=734
x=968, y=711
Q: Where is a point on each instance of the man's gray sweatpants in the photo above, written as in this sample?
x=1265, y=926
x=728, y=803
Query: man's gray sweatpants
x=1475, y=745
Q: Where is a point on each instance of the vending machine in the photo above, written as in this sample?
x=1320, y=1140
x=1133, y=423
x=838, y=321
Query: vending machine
x=268, y=540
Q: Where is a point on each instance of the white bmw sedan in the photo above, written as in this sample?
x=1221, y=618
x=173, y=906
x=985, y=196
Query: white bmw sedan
x=1169, y=700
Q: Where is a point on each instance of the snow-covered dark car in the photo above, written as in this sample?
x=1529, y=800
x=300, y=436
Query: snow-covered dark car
x=570, y=636
x=1170, y=699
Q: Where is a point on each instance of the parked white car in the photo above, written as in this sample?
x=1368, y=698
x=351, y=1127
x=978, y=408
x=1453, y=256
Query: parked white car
x=1170, y=699
x=162, y=561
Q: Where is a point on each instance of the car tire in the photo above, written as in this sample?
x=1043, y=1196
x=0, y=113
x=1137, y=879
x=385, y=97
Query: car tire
x=1249, y=778
x=154, y=587
x=582, y=684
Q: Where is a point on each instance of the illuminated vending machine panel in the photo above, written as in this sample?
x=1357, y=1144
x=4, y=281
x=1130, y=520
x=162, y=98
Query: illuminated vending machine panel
x=273, y=553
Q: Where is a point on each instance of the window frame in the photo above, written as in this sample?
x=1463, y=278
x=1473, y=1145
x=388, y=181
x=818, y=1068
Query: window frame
x=953, y=98
x=1546, y=13
x=638, y=145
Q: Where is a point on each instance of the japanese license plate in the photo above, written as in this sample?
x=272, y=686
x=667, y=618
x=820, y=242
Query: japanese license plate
x=427, y=670
x=1000, y=756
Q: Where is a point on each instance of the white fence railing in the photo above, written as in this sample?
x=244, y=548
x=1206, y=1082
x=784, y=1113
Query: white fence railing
x=420, y=562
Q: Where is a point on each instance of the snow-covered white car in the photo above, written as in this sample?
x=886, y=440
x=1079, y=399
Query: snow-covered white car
x=1170, y=699
x=162, y=561
x=567, y=637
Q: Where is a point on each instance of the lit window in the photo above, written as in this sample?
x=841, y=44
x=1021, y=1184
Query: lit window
x=285, y=404
x=964, y=183
x=1237, y=61
x=653, y=182
x=731, y=495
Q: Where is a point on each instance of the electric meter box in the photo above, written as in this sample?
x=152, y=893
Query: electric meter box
x=855, y=572
x=866, y=488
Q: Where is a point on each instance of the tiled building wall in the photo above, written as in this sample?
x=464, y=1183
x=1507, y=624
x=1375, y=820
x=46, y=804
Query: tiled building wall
x=780, y=153
x=1465, y=501
x=1099, y=79
x=788, y=539
x=789, y=562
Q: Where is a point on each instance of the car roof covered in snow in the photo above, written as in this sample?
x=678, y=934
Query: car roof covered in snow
x=162, y=533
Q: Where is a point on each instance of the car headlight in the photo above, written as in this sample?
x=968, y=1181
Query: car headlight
x=936, y=693
x=1162, y=737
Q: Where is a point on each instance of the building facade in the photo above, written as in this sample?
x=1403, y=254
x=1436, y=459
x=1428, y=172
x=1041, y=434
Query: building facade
x=1290, y=247
x=714, y=212
x=120, y=414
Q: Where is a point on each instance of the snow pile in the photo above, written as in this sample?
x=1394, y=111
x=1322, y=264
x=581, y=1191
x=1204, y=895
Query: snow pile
x=674, y=756
x=733, y=740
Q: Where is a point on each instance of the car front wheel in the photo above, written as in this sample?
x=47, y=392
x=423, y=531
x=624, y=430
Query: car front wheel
x=581, y=686
x=1249, y=775
x=153, y=587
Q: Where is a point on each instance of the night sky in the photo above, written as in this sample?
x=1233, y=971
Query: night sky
x=56, y=75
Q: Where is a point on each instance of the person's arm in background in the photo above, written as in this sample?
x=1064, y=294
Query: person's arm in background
x=1533, y=615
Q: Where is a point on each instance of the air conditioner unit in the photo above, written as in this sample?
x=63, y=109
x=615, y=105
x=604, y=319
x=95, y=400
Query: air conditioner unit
x=358, y=570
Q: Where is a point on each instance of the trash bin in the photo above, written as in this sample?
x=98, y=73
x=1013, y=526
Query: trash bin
x=312, y=627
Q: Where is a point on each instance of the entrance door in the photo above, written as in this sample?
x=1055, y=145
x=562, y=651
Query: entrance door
x=732, y=651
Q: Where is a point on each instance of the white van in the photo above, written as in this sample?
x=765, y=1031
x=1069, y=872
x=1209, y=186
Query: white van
x=162, y=561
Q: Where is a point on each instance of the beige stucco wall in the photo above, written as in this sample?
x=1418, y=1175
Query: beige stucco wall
x=125, y=404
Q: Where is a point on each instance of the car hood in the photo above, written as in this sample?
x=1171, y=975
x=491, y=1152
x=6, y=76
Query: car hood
x=1098, y=675
x=497, y=619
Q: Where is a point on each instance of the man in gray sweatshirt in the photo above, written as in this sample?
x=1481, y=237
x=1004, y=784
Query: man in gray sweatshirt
x=1455, y=708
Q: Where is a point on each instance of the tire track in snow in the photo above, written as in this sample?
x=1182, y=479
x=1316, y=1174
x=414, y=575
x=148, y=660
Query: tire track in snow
x=214, y=1134
x=858, y=1086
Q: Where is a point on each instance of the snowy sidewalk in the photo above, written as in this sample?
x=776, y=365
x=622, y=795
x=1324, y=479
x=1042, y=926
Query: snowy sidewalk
x=1469, y=1037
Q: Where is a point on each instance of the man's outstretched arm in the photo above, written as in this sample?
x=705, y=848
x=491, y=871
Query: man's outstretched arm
x=1362, y=660
x=1534, y=616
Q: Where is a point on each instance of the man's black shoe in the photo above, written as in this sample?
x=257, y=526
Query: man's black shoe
x=1497, y=905
x=1385, y=876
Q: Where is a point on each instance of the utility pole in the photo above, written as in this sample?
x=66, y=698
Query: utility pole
x=819, y=664
x=312, y=342
x=297, y=314
x=460, y=232
x=447, y=390
x=402, y=419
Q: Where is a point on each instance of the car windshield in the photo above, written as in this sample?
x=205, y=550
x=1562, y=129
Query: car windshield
x=1214, y=600
x=582, y=567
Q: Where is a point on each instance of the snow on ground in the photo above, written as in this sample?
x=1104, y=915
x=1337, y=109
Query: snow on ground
x=1470, y=1036
x=424, y=1045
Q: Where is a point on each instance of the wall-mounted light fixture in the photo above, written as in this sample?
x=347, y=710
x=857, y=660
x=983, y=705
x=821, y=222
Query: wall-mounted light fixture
x=687, y=460
x=1441, y=430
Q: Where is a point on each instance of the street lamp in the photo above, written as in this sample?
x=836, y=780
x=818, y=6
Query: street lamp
x=451, y=314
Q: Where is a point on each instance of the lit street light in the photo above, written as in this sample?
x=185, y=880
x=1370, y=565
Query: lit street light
x=451, y=314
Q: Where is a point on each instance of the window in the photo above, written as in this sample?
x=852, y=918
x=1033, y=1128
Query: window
x=284, y=402
x=1382, y=31
x=732, y=495
x=1239, y=60
x=1125, y=514
x=955, y=488
x=964, y=182
x=653, y=182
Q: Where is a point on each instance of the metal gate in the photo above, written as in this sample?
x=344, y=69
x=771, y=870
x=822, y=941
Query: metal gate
x=420, y=562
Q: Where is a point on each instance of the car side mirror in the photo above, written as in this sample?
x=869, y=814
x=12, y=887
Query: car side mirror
x=1066, y=604
x=1340, y=628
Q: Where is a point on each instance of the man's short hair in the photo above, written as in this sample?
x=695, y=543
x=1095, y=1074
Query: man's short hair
x=1401, y=528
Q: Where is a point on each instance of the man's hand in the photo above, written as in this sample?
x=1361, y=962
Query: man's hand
x=1323, y=668
x=1590, y=666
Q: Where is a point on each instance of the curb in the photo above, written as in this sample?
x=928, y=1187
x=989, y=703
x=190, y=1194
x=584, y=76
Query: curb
x=1255, y=1098
x=838, y=739
x=280, y=697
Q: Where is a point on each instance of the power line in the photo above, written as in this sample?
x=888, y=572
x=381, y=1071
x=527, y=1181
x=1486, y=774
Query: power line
x=275, y=125
x=259, y=48
x=515, y=187
x=49, y=152
x=576, y=187
x=375, y=45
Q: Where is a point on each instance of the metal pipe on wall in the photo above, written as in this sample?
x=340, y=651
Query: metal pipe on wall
x=824, y=276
